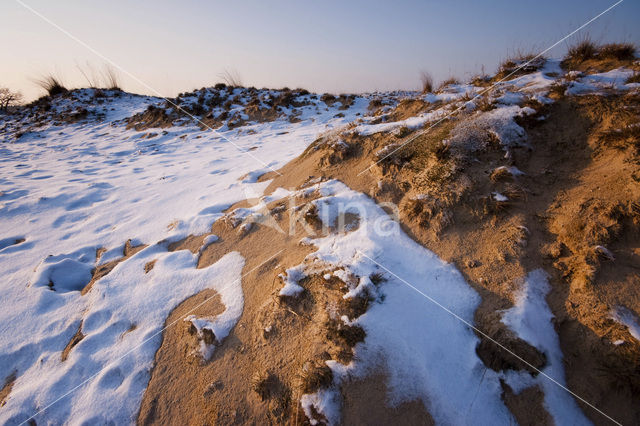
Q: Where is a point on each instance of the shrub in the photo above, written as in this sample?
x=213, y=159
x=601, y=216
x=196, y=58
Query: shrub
x=520, y=63
x=9, y=98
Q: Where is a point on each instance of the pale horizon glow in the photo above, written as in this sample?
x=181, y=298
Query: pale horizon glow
x=336, y=47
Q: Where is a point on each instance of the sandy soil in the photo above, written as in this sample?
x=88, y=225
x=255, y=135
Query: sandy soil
x=578, y=192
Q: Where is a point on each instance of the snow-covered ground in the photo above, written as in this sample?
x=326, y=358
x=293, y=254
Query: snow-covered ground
x=67, y=191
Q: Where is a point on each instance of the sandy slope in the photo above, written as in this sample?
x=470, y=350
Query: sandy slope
x=318, y=302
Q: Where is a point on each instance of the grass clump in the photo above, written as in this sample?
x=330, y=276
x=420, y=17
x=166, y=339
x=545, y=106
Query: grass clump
x=426, y=82
x=519, y=64
x=51, y=84
x=448, y=82
x=619, y=51
x=582, y=51
x=587, y=54
x=315, y=376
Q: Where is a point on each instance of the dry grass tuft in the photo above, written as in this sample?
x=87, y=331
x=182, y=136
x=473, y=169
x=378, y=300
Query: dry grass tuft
x=518, y=64
x=619, y=51
x=621, y=139
x=350, y=335
x=426, y=82
x=501, y=174
x=448, y=82
x=51, y=84
x=586, y=54
x=231, y=78
x=584, y=50
x=315, y=376
x=111, y=78
x=262, y=383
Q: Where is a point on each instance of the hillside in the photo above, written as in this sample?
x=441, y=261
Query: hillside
x=241, y=255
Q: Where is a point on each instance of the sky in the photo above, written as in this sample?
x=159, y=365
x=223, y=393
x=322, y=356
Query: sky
x=165, y=47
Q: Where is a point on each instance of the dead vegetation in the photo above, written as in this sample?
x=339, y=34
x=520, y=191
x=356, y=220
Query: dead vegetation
x=587, y=55
x=51, y=84
x=520, y=63
x=72, y=343
x=6, y=387
x=448, y=82
x=107, y=78
x=426, y=82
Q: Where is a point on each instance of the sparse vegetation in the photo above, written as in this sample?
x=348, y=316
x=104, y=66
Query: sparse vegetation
x=518, y=64
x=111, y=78
x=231, y=78
x=107, y=78
x=448, y=82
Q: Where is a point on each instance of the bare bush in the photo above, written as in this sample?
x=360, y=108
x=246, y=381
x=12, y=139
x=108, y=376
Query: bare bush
x=9, y=98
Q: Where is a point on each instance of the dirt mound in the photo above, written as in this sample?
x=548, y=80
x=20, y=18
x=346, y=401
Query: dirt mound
x=567, y=200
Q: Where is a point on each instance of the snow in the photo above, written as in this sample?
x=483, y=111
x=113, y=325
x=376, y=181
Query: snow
x=595, y=83
x=627, y=318
x=537, y=81
x=411, y=123
x=426, y=342
x=325, y=401
x=430, y=354
x=500, y=122
x=290, y=279
x=531, y=319
x=499, y=197
x=207, y=241
x=67, y=190
x=105, y=375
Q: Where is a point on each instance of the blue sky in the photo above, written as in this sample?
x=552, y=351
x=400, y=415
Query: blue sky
x=335, y=46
